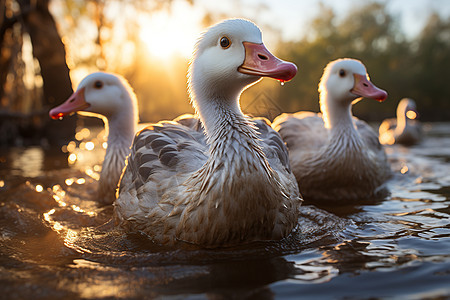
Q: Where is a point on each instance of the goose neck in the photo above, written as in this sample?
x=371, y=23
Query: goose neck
x=337, y=115
x=121, y=128
x=402, y=121
x=218, y=114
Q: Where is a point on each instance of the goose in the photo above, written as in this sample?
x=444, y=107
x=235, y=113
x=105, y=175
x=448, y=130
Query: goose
x=405, y=129
x=110, y=97
x=226, y=179
x=335, y=156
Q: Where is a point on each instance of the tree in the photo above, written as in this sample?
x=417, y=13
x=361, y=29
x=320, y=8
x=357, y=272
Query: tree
x=432, y=68
x=34, y=19
x=418, y=69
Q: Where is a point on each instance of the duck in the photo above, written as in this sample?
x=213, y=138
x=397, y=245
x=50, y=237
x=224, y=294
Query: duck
x=335, y=156
x=110, y=97
x=405, y=129
x=224, y=180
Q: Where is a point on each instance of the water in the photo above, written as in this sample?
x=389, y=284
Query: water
x=55, y=242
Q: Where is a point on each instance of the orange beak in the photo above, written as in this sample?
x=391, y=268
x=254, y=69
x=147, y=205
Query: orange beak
x=260, y=62
x=364, y=88
x=76, y=102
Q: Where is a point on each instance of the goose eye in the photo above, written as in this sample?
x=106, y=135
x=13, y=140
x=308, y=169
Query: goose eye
x=225, y=42
x=342, y=72
x=98, y=84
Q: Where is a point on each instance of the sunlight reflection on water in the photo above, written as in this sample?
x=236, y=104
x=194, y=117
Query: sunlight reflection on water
x=57, y=240
x=28, y=162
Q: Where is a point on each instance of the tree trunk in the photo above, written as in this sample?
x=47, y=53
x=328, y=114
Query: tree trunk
x=49, y=50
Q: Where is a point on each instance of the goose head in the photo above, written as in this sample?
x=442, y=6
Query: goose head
x=407, y=108
x=100, y=93
x=230, y=56
x=347, y=81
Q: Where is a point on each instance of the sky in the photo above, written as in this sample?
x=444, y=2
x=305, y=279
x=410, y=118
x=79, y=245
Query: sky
x=174, y=32
x=288, y=19
x=293, y=15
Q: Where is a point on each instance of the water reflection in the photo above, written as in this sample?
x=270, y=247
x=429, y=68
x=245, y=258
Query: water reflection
x=28, y=161
x=55, y=240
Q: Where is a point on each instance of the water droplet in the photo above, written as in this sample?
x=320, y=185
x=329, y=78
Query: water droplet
x=404, y=170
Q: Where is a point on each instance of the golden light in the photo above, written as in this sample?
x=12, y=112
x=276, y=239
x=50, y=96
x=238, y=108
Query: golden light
x=404, y=169
x=390, y=141
x=90, y=146
x=55, y=225
x=411, y=114
x=80, y=210
x=69, y=181
x=60, y=201
x=48, y=214
x=105, y=145
x=170, y=33
x=81, y=181
x=78, y=136
x=72, y=158
x=56, y=188
x=82, y=134
x=39, y=188
x=387, y=139
x=2, y=183
x=59, y=195
x=77, y=208
x=71, y=146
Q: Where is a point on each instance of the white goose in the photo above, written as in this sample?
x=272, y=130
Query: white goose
x=111, y=98
x=335, y=156
x=237, y=187
x=405, y=129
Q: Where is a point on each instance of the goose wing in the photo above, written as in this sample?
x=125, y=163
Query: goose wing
x=162, y=157
x=273, y=146
x=303, y=132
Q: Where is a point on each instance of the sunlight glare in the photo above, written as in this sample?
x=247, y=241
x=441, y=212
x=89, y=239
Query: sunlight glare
x=72, y=158
x=411, y=114
x=82, y=134
x=71, y=146
x=404, y=169
x=81, y=181
x=170, y=33
x=39, y=188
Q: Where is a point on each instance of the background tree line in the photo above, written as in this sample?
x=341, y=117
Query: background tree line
x=84, y=37
x=418, y=68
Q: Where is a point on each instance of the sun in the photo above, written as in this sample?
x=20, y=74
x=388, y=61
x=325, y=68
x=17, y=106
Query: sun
x=170, y=33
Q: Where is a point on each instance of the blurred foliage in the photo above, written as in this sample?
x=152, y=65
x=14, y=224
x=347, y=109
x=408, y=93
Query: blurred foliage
x=417, y=68
x=34, y=75
x=105, y=35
